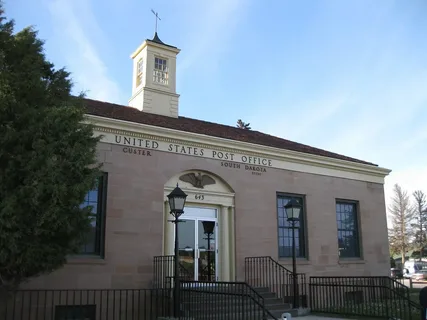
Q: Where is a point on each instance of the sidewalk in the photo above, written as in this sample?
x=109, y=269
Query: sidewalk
x=317, y=318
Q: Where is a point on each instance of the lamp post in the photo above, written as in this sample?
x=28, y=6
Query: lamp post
x=293, y=209
x=208, y=228
x=176, y=203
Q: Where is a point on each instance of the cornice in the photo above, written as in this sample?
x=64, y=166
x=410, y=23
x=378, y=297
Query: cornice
x=109, y=125
x=153, y=44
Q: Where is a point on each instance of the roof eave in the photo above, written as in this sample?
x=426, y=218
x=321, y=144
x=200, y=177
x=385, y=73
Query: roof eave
x=296, y=156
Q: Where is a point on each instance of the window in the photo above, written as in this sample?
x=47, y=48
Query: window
x=285, y=229
x=348, y=231
x=76, y=312
x=139, y=71
x=96, y=198
x=160, y=74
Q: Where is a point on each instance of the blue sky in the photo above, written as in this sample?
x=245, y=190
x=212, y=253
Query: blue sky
x=347, y=76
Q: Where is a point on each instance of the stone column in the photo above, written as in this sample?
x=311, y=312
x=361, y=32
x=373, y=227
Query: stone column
x=232, y=244
x=225, y=252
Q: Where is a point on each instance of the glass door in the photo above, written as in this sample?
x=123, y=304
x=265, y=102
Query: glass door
x=198, y=246
x=206, y=241
x=187, y=246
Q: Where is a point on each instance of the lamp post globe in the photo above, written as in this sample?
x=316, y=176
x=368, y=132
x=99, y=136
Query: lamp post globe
x=176, y=203
x=293, y=210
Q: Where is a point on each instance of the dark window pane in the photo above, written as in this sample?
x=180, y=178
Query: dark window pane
x=93, y=195
x=348, y=240
x=95, y=199
x=285, y=229
x=93, y=220
x=90, y=241
x=94, y=207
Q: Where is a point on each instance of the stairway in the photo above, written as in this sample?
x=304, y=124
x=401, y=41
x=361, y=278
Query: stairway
x=210, y=304
x=275, y=305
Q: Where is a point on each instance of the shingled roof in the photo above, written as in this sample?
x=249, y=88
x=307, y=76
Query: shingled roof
x=120, y=112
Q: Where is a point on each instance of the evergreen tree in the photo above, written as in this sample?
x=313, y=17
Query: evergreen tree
x=47, y=160
x=243, y=125
x=419, y=224
x=401, y=217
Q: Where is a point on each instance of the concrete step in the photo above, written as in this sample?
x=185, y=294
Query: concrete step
x=273, y=300
x=227, y=316
x=225, y=299
x=279, y=306
x=208, y=303
x=224, y=311
x=261, y=289
x=222, y=306
x=227, y=288
x=270, y=299
x=238, y=315
x=267, y=294
x=231, y=307
x=206, y=295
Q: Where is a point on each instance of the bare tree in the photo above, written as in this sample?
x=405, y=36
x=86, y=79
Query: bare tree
x=401, y=217
x=243, y=125
x=419, y=220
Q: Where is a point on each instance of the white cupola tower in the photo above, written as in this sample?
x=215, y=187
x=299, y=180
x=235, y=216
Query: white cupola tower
x=154, y=78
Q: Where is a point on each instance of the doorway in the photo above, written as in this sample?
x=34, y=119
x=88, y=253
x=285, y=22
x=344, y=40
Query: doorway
x=198, y=247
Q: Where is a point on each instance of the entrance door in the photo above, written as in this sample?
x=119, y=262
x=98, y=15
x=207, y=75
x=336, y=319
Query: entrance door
x=197, y=236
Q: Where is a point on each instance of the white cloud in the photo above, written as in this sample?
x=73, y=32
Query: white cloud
x=76, y=31
x=418, y=138
x=369, y=126
x=314, y=113
x=389, y=111
x=378, y=126
x=211, y=25
x=410, y=179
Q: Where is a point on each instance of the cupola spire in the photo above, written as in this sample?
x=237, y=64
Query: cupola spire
x=157, y=18
x=154, y=77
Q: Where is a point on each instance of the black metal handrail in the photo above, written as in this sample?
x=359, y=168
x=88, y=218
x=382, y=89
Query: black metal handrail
x=380, y=297
x=220, y=296
x=164, y=271
x=266, y=272
x=108, y=304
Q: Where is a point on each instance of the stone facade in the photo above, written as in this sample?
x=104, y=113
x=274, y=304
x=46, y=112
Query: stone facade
x=145, y=153
x=135, y=220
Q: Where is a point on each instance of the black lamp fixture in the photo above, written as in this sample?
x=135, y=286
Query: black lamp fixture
x=293, y=210
x=176, y=203
x=208, y=228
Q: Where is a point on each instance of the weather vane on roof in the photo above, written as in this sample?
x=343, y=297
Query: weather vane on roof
x=157, y=17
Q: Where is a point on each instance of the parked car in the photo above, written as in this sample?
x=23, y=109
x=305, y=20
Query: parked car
x=412, y=267
x=420, y=275
x=396, y=273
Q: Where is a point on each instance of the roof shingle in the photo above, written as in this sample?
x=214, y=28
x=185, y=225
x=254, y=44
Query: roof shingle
x=120, y=112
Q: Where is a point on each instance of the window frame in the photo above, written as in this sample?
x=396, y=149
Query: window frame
x=356, y=230
x=101, y=215
x=162, y=73
x=139, y=71
x=304, y=238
